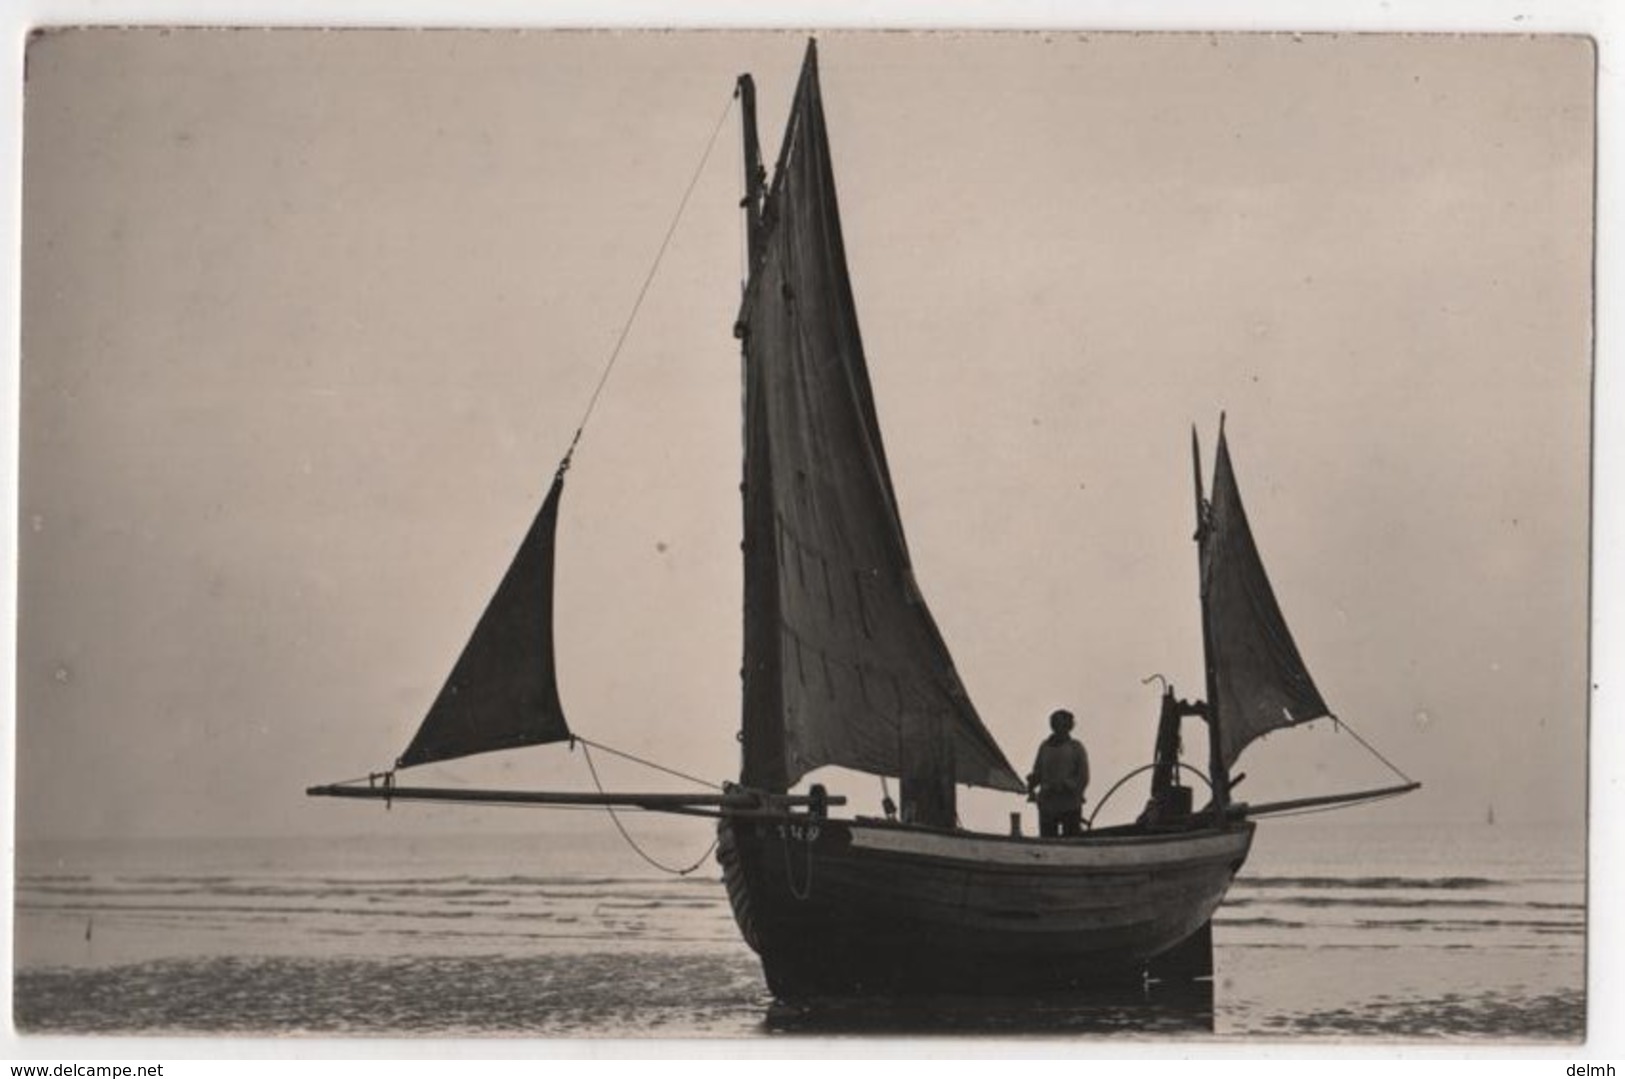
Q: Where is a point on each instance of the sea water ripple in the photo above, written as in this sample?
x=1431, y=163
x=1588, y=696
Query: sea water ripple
x=288, y=943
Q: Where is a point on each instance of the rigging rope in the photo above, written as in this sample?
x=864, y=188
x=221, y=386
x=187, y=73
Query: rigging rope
x=1343, y=724
x=648, y=279
x=586, y=754
x=647, y=764
x=370, y=778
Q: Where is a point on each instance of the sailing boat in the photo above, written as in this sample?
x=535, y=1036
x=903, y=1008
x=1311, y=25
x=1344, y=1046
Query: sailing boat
x=844, y=665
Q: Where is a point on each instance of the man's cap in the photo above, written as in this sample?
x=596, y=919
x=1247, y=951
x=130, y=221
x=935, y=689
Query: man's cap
x=1060, y=720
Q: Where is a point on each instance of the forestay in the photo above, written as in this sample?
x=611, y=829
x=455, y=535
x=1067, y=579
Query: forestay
x=844, y=664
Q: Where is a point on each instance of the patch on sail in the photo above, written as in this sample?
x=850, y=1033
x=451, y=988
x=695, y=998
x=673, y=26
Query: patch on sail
x=1260, y=679
x=839, y=644
x=503, y=692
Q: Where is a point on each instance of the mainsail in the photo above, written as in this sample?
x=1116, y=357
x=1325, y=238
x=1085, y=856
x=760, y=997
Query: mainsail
x=843, y=664
x=503, y=692
x=1258, y=680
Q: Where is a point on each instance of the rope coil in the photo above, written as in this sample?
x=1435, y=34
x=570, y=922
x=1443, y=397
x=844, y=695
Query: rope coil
x=804, y=892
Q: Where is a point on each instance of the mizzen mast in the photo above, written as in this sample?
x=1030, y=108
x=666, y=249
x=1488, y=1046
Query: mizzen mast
x=1218, y=768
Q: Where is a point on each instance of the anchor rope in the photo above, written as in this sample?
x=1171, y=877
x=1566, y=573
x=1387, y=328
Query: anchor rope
x=804, y=892
x=586, y=755
x=648, y=279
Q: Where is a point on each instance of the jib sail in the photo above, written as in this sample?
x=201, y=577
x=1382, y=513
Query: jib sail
x=503, y=691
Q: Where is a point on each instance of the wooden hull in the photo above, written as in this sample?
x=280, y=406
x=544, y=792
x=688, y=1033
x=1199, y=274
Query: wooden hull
x=837, y=908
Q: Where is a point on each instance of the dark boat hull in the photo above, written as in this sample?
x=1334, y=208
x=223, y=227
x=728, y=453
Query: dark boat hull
x=837, y=908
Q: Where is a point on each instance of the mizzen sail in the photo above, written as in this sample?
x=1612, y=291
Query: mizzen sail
x=503, y=692
x=1259, y=681
x=843, y=664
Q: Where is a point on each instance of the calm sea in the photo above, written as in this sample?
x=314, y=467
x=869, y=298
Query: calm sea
x=1332, y=931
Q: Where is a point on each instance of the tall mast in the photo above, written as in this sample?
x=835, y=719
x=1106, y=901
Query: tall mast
x=755, y=176
x=843, y=662
x=1218, y=770
x=761, y=735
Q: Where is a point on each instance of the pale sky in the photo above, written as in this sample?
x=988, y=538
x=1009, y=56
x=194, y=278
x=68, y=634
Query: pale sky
x=309, y=318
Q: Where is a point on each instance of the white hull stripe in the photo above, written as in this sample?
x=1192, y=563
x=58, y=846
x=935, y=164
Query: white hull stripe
x=1114, y=855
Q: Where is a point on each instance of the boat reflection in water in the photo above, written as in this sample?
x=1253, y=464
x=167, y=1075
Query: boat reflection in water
x=1155, y=1009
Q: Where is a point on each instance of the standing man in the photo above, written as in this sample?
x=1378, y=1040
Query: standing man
x=1058, y=779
